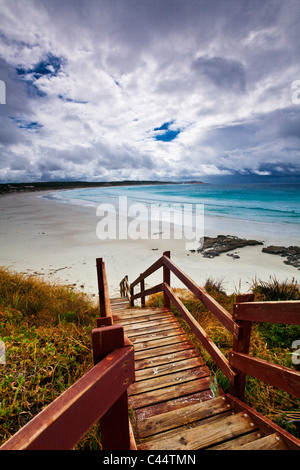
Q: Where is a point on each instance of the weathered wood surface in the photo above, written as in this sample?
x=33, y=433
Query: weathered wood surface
x=272, y=312
x=173, y=405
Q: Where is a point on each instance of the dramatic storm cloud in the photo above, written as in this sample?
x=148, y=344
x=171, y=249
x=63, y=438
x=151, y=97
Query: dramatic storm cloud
x=149, y=89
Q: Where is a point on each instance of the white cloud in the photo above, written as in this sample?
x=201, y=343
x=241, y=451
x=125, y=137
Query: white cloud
x=94, y=79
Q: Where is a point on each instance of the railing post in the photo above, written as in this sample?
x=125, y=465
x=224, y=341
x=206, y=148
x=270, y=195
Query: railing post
x=114, y=424
x=241, y=345
x=131, y=296
x=142, y=286
x=166, y=279
x=99, y=263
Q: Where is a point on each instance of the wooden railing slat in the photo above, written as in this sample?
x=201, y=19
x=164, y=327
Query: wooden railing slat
x=287, y=312
x=220, y=313
x=150, y=291
x=280, y=377
x=154, y=267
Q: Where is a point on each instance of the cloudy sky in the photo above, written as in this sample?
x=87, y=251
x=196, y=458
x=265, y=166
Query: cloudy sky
x=149, y=89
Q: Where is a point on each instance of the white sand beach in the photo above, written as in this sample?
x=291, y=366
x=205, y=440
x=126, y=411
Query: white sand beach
x=58, y=242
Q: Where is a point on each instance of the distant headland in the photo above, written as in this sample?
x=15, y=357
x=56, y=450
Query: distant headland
x=6, y=188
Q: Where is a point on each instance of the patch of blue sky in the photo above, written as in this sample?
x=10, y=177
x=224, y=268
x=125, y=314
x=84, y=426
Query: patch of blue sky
x=168, y=134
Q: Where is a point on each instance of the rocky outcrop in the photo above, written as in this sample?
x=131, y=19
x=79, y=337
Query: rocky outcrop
x=214, y=246
x=291, y=253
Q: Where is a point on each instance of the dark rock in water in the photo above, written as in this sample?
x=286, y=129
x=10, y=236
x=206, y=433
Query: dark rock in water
x=292, y=253
x=214, y=246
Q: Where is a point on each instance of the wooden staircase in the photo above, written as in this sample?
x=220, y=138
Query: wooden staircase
x=172, y=401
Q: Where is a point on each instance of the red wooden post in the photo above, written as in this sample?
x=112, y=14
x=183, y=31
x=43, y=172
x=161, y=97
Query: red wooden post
x=131, y=296
x=166, y=279
x=142, y=285
x=99, y=262
x=241, y=344
x=114, y=425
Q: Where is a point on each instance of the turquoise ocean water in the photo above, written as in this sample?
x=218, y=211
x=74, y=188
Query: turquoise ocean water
x=267, y=203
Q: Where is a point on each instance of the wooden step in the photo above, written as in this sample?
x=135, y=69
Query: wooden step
x=269, y=442
x=202, y=436
x=134, y=313
x=155, y=335
x=177, y=353
x=139, y=328
x=168, y=368
x=180, y=417
x=128, y=320
x=166, y=340
x=171, y=392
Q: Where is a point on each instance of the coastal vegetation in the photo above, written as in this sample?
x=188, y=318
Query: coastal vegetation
x=46, y=329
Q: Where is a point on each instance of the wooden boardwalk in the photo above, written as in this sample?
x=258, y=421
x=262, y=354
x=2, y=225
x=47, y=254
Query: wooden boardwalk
x=173, y=405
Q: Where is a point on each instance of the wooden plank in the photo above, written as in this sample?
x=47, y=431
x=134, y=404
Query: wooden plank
x=141, y=319
x=133, y=313
x=210, y=346
x=279, y=376
x=167, y=380
x=181, y=417
x=163, y=341
x=168, y=393
x=224, y=428
x=157, y=335
x=163, y=350
x=220, y=312
x=151, y=291
x=287, y=312
x=235, y=444
x=270, y=442
x=165, y=358
x=168, y=368
x=152, y=330
x=174, y=404
x=144, y=326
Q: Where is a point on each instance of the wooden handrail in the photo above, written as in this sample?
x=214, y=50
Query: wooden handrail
x=68, y=418
x=271, y=312
x=154, y=267
x=210, y=346
x=151, y=291
x=220, y=312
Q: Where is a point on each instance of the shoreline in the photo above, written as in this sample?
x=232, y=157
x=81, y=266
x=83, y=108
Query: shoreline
x=58, y=242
